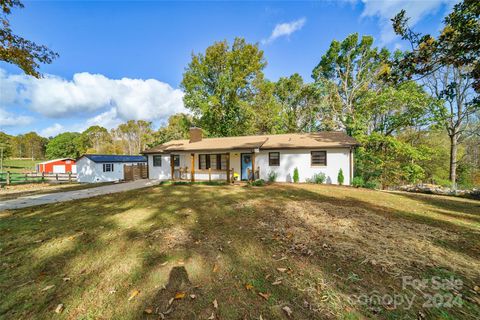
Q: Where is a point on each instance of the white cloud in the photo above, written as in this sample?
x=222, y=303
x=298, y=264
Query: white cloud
x=8, y=119
x=52, y=131
x=108, y=119
x=386, y=10
x=285, y=29
x=87, y=94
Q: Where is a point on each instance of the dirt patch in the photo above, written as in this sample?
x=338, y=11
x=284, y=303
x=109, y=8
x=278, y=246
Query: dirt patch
x=393, y=244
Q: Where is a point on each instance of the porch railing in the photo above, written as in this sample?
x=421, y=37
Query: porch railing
x=184, y=173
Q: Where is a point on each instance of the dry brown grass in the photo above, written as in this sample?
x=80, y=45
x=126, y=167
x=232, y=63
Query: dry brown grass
x=306, y=247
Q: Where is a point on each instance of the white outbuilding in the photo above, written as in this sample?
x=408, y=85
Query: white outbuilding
x=93, y=168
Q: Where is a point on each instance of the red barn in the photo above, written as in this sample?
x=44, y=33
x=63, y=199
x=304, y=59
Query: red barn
x=57, y=166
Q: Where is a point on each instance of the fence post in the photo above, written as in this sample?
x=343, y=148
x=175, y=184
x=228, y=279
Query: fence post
x=43, y=176
x=8, y=178
x=56, y=176
x=69, y=177
x=26, y=177
x=209, y=174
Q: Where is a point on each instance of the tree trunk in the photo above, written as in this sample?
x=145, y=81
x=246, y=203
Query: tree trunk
x=453, y=159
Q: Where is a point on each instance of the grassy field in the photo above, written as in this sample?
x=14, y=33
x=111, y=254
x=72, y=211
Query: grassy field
x=19, y=166
x=237, y=252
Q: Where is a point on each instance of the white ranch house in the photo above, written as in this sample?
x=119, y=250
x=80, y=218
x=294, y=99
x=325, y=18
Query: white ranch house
x=227, y=158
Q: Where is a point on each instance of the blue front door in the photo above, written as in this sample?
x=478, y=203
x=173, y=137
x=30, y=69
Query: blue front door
x=246, y=164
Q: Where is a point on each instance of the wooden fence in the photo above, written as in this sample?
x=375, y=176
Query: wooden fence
x=9, y=178
x=135, y=172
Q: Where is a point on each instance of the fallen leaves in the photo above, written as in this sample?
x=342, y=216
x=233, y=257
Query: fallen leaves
x=148, y=310
x=248, y=286
x=265, y=296
x=59, y=308
x=48, y=287
x=215, y=304
x=287, y=311
x=133, y=294
x=180, y=295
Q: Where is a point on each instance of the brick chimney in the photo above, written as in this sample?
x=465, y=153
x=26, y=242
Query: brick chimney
x=195, y=134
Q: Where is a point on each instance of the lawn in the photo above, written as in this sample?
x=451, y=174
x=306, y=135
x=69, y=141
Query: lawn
x=19, y=165
x=238, y=252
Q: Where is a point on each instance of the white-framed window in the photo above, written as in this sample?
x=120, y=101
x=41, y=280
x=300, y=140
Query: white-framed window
x=108, y=167
x=157, y=161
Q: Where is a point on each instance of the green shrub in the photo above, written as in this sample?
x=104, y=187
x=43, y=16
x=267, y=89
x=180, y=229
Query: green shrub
x=340, y=178
x=370, y=185
x=296, y=176
x=358, y=182
x=319, y=178
x=272, y=176
x=257, y=183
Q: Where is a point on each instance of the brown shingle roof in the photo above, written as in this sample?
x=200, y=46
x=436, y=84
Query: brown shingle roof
x=326, y=139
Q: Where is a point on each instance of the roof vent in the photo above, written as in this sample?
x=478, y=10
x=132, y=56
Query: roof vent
x=196, y=134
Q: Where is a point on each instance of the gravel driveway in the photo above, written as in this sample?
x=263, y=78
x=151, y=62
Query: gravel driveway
x=34, y=200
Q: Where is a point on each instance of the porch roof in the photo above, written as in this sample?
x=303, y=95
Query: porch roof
x=326, y=139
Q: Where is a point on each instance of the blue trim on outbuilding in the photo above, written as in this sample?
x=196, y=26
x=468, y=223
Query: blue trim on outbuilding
x=100, y=158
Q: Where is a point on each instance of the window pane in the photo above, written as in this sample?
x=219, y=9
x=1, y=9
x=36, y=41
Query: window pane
x=202, y=161
x=274, y=158
x=213, y=161
x=223, y=162
x=157, y=161
x=176, y=160
x=319, y=158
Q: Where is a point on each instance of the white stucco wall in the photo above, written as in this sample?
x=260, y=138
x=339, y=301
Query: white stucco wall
x=301, y=159
x=289, y=159
x=160, y=173
x=92, y=172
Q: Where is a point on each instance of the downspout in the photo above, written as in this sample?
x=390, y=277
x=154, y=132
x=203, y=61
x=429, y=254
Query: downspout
x=351, y=165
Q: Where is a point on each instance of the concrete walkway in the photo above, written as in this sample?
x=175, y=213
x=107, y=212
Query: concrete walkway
x=34, y=200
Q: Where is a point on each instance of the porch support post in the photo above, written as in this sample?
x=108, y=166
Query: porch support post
x=228, y=167
x=172, y=166
x=192, y=169
x=253, y=165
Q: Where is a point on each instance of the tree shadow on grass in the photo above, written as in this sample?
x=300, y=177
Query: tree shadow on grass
x=121, y=243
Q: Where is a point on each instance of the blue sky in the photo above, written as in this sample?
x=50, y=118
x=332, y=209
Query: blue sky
x=124, y=60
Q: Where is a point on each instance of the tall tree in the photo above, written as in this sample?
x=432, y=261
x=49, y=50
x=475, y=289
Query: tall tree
x=391, y=110
x=136, y=135
x=221, y=84
x=267, y=110
x=14, y=49
x=452, y=87
x=34, y=145
x=353, y=66
x=177, y=128
x=95, y=139
x=299, y=104
x=5, y=147
x=449, y=66
x=63, y=145
x=457, y=45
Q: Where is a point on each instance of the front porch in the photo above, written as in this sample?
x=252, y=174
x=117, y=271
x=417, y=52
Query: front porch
x=229, y=166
